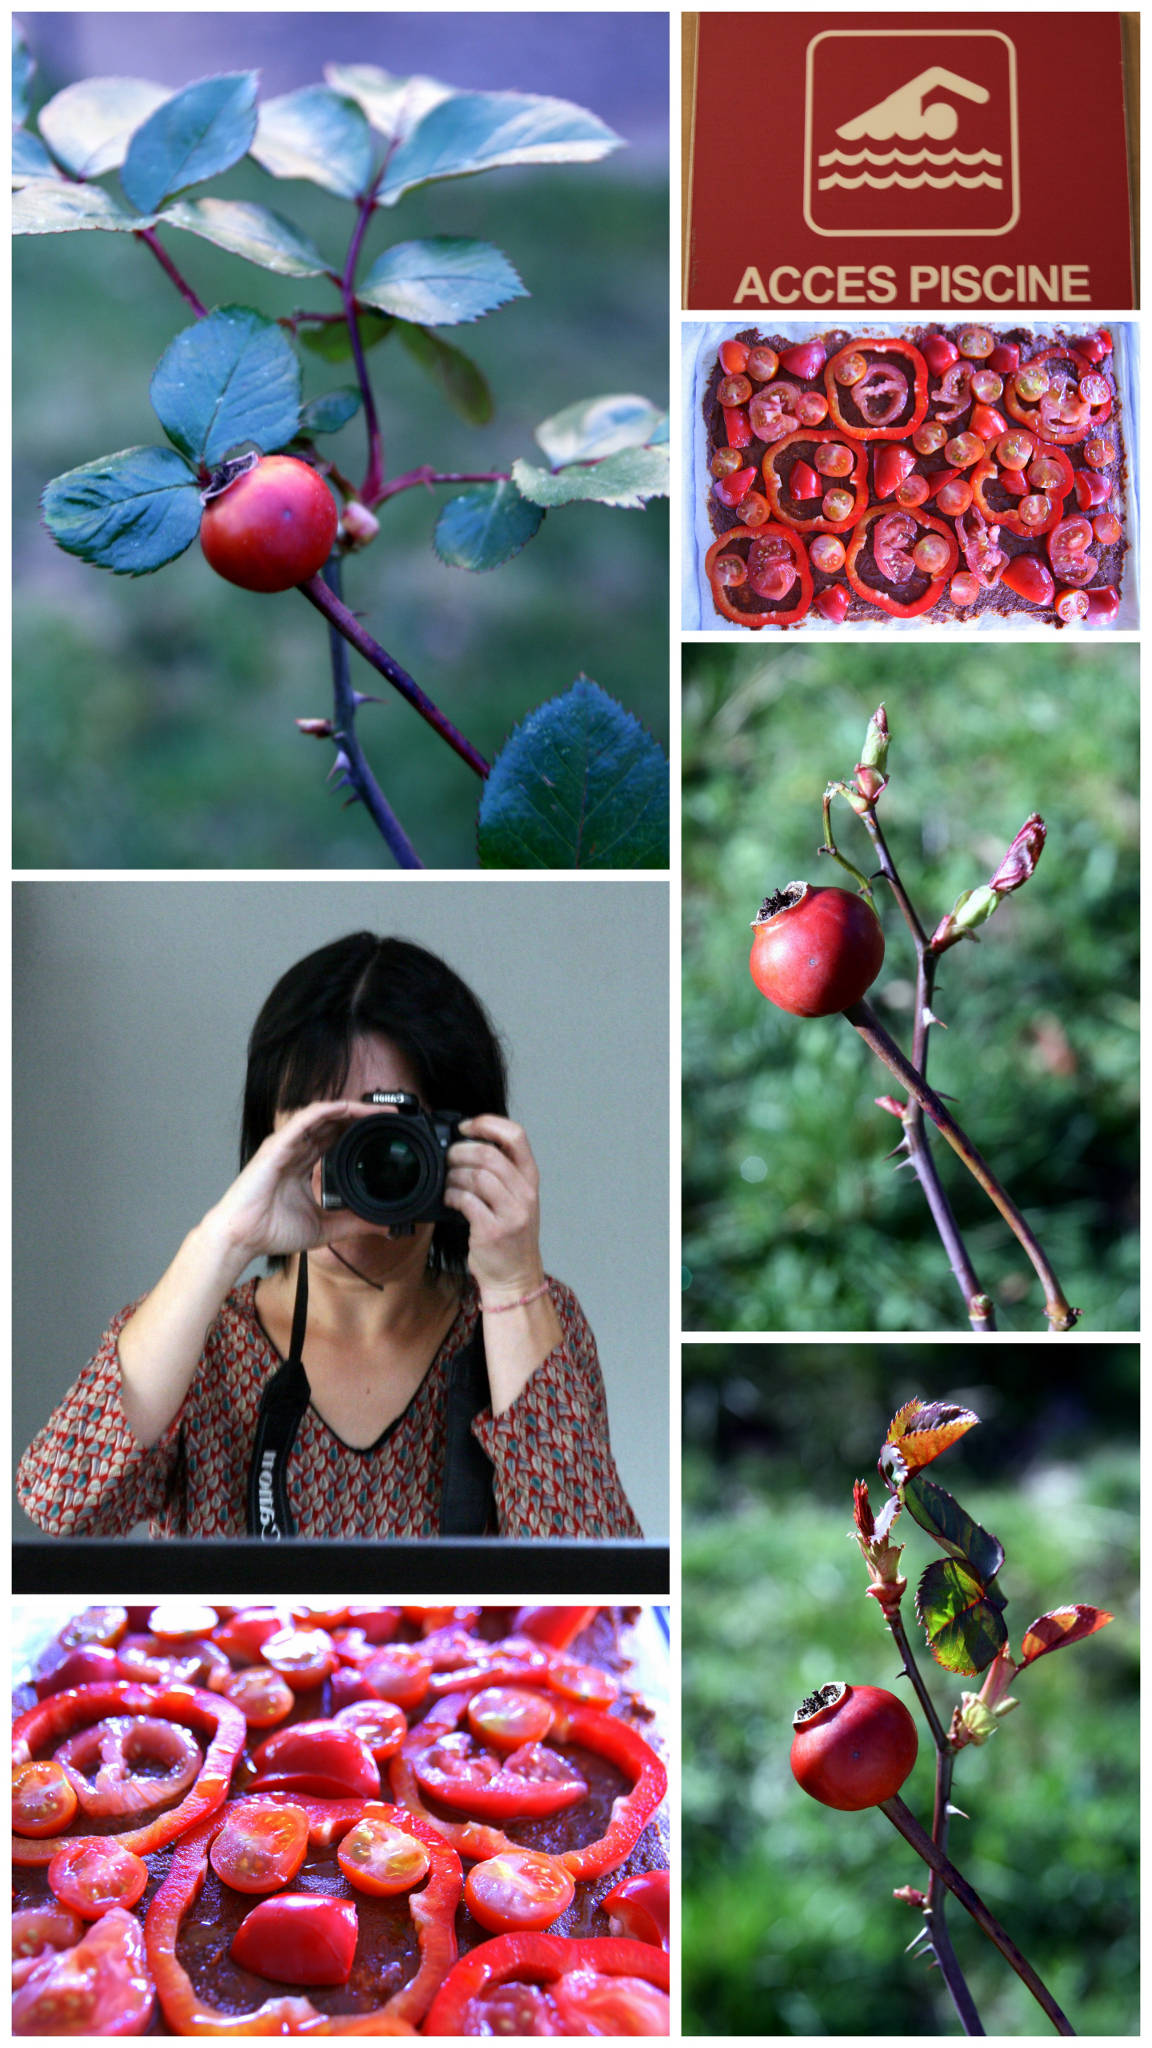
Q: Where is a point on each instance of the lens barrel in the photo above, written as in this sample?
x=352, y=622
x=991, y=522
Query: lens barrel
x=386, y=1169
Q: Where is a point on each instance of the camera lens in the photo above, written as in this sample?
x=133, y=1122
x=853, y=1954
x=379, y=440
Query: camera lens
x=385, y=1167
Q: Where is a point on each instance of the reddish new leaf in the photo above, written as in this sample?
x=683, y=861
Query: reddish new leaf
x=1062, y=1625
x=919, y=1433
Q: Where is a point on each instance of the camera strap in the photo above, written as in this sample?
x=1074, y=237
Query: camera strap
x=467, y=1496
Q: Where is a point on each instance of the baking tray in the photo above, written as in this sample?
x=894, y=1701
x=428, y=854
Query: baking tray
x=699, y=343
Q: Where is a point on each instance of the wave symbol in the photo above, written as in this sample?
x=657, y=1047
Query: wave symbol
x=909, y=157
x=910, y=184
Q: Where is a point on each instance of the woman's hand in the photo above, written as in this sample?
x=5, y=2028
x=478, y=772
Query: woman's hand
x=273, y=1207
x=494, y=1183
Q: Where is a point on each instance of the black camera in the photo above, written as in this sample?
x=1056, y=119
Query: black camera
x=392, y=1168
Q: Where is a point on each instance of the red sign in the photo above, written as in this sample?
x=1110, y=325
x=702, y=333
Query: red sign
x=909, y=161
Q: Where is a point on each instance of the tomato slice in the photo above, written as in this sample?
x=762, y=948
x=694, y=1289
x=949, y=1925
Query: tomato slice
x=93, y=1874
x=43, y=1799
x=544, y=1984
x=522, y=1889
x=380, y=1725
x=37, y=1932
x=531, y=1780
x=304, y=1656
x=378, y=1857
x=262, y=1696
x=95, y=1625
x=243, y=1636
x=400, y=1674
x=319, y=1757
x=102, y=1986
x=556, y=1626
x=507, y=1718
x=298, y=1938
x=260, y=1848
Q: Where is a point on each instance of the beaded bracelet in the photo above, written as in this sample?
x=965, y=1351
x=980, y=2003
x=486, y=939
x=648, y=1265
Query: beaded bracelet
x=500, y=1308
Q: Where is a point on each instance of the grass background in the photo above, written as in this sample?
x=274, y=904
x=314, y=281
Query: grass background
x=154, y=719
x=789, y=1922
x=793, y=1217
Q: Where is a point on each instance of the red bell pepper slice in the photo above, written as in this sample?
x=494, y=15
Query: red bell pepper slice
x=433, y=1910
x=880, y=345
x=856, y=480
x=538, y=1959
x=783, y=615
x=604, y=1734
x=887, y=603
x=1009, y=515
x=63, y=1713
x=1029, y=414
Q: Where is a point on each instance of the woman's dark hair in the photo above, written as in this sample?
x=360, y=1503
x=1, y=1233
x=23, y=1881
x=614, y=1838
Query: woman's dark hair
x=361, y=986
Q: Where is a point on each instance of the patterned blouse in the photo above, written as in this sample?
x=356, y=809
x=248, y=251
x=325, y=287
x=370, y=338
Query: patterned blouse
x=553, y=1471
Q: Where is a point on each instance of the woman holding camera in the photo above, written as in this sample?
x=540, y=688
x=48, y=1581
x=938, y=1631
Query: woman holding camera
x=376, y=1381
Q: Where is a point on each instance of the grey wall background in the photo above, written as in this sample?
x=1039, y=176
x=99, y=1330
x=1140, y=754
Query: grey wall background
x=133, y=1001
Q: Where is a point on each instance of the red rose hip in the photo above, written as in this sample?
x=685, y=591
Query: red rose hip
x=815, y=951
x=853, y=1747
x=271, y=529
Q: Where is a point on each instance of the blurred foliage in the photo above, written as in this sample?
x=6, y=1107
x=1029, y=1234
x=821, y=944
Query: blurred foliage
x=154, y=720
x=793, y=1217
x=789, y=1922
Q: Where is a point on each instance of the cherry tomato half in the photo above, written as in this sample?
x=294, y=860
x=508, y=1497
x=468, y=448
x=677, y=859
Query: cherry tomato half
x=43, y=1799
x=380, y=1725
x=378, y=1857
x=506, y=1717
x=298, y=1938
x=519, y=1889
x=260, y=1848
x=102, y=1986
x=93, y=1875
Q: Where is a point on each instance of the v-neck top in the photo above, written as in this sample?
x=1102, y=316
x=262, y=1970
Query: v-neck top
x=85, y=1474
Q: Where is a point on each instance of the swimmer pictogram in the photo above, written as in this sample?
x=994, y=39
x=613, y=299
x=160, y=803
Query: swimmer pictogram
x=935, y=152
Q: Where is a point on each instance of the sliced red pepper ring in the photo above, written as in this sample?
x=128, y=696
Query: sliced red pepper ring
x=574, y=1980
x=776, y=485
x=882, y=598
x=433, y=1910
x=1009, y=515
x=918, y=389
x=783, y=615
x=604, y=1734
x=64, y=1714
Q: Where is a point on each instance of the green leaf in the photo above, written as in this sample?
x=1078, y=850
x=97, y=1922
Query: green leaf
x=331, y=411
x=461, y=381
x=953, y=1529
x=579, y=784
x=485, y=527
x=486, y=131
x=89, y=126
x=23, y=72
x=331, y=341
x=261, y=237
x=440, y=281
x=50, y=206
x=598, y=426
x=30, y=159
x=319, y=135
x=962, y=1618
x=232, y=377
x=393, y=105
x=195, y=135
x=628, y=480
x=130, y=512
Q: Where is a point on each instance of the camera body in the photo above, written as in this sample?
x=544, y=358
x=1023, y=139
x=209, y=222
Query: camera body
x=392, y=1168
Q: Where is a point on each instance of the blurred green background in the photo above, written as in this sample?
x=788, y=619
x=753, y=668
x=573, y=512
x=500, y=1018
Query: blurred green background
x=154, y=719
x=793, y=1217
x=790, y=1926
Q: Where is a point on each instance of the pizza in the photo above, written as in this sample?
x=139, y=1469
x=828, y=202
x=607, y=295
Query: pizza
x=341, y=1818
x=936, y=473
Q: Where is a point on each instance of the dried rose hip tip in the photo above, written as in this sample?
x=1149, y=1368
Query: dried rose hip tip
x=853, y=1746
x=780, y=899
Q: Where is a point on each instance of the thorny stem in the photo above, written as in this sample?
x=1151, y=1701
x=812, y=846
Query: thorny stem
x=351, y=765
x=981, y=1315
x=374, y=474
x=345, y=622
x=907, y=1824
x=872, y=1031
